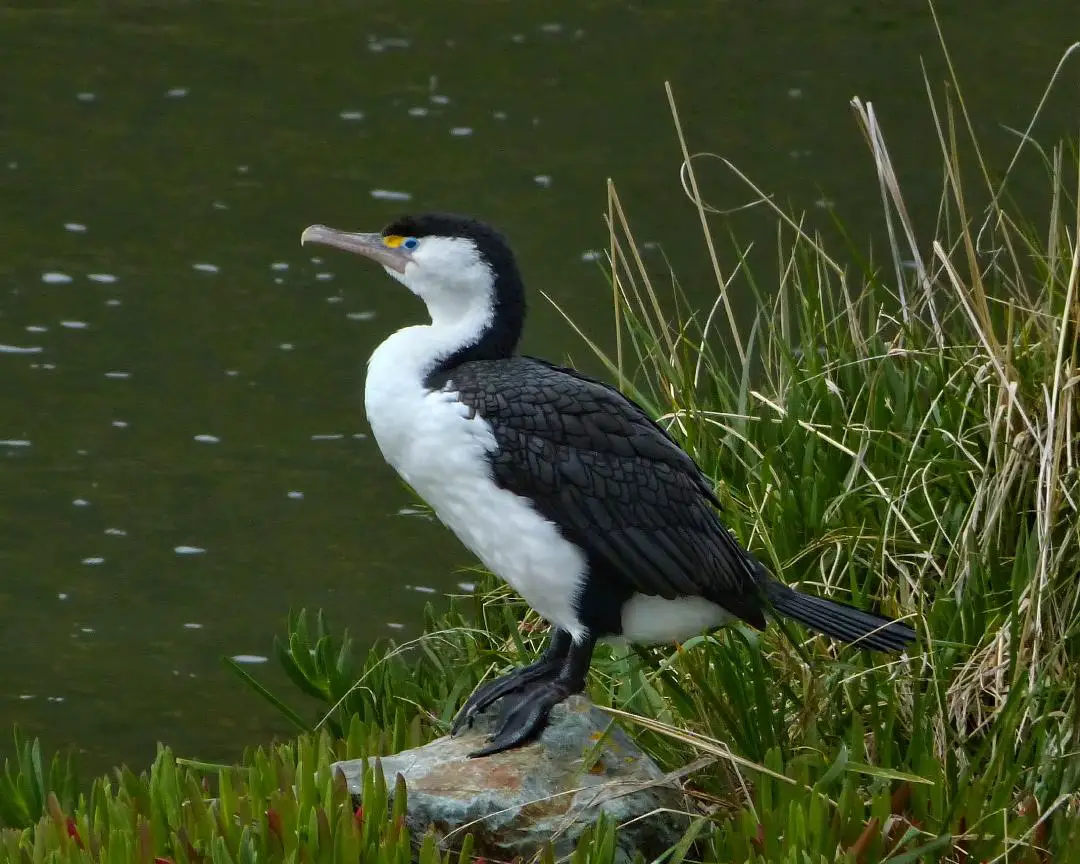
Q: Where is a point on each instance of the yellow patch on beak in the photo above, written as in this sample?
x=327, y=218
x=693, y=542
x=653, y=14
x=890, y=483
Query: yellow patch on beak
x=393, y=240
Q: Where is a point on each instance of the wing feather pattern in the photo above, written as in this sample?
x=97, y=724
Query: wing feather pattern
x=616, y=482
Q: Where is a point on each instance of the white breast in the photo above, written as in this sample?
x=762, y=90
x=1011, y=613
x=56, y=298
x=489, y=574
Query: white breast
x=441, y=452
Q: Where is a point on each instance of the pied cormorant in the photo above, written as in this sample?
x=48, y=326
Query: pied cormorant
x=557, y=482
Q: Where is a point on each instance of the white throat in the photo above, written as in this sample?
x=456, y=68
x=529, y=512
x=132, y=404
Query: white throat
x=395, y=393
x=413, y=352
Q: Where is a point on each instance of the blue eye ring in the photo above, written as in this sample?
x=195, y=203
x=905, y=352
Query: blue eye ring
x=410, y=243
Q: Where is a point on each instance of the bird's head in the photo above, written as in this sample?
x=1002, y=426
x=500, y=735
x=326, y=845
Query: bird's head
x=460, y=267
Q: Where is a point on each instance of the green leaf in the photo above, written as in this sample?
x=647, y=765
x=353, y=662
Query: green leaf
x=282, y=708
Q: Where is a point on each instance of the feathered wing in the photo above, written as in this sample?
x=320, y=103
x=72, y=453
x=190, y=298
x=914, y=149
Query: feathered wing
x=618, y=485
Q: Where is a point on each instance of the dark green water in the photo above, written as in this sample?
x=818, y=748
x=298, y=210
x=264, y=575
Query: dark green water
x=190, y=379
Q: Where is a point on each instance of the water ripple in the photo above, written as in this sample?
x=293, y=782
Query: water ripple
x=390, y=195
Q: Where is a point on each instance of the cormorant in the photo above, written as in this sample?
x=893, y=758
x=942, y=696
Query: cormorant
x=560, y=484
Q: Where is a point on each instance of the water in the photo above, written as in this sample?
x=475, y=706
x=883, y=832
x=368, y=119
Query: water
x=183, y=454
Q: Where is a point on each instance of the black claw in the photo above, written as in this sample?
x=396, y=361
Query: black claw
x=493, y=691
x=476, y=703
x=545, y=668
x=530, y=693
x=525, y=716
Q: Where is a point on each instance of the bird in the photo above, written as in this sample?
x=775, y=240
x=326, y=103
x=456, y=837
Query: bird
x=560, y=484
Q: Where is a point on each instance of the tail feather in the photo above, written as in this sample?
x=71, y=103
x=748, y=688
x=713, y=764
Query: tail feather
x=839, y=620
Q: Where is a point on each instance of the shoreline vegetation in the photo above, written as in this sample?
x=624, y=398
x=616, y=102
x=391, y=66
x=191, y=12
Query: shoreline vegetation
x=903, y=436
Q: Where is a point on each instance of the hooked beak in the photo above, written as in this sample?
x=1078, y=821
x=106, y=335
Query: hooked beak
x=369, y=245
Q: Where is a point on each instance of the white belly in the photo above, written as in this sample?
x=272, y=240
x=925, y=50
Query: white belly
x=442, y=454
x=647, y=619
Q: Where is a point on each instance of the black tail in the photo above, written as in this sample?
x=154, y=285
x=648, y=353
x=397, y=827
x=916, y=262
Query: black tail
x=839, y=620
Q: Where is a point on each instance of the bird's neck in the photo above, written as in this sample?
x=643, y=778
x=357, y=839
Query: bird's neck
x=455, y=336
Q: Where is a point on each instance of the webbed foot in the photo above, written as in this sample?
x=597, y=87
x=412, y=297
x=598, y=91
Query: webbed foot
x=524, y=716
x=524, y=712
x=545, y=668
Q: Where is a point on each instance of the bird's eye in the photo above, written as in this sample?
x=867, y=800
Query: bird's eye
x=410, y=243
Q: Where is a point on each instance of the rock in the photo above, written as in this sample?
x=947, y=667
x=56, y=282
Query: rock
x=512, y=802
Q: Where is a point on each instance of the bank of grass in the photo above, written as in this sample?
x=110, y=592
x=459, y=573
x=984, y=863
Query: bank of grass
x=904, y=437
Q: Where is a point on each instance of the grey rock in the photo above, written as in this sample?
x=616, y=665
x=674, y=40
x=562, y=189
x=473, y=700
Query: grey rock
x=550, y=790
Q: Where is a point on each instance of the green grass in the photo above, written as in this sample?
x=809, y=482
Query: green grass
x=904, y=437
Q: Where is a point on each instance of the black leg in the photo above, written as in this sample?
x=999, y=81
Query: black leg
x=545, y=667
x=524, y=715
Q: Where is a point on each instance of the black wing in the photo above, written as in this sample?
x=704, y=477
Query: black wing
x=616, y=483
